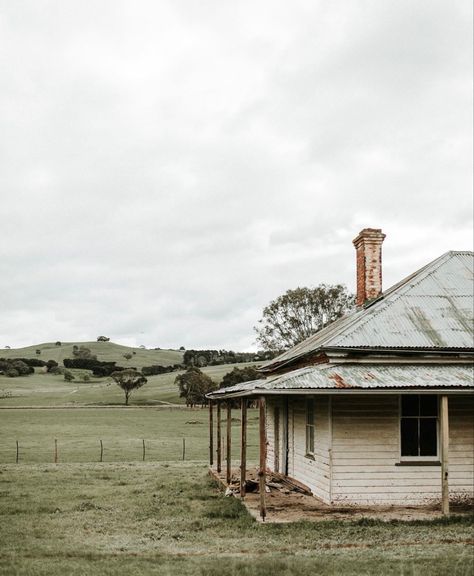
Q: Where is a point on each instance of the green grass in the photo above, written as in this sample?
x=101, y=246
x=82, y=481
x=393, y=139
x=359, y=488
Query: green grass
x=78, y=433
x=105, y=351
x=49, y=390
x=148, y=518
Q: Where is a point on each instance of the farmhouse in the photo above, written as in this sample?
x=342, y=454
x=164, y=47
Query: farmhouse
x=378, y=407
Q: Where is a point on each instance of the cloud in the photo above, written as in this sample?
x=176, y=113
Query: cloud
x=169, y=168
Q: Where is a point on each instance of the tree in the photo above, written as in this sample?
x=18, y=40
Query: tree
x=102, y=339
x=83, y=352
x=194, y=385
x=300, y=313
x=129, y=380
x=127, y=356
x=239, y=375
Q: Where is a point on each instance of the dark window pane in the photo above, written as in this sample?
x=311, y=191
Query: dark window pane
x=409, y=436
x=428, y=406
x=428, y=441
x=410, y=405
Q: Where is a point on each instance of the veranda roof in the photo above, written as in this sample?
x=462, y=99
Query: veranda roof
x=326, y=378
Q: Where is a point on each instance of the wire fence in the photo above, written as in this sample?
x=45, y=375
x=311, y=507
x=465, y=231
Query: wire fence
x=102, y=450
x=59, y=450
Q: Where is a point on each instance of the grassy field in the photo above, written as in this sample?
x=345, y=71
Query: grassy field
x=122, y=430
x=168, y=519
x=105, y=351
x=49, y=390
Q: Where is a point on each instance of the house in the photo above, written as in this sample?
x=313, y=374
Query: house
x=378, y=407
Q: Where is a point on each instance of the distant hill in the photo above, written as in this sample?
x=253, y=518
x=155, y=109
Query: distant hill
x=105, y=352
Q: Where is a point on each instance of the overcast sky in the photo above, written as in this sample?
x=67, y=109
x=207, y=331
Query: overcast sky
x=169, y=167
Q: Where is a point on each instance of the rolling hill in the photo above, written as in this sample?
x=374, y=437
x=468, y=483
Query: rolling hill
x=105, y=351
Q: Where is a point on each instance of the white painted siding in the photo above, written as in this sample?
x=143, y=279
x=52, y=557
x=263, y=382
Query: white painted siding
x=461, y=448
x=364, y=449
x=314, y=472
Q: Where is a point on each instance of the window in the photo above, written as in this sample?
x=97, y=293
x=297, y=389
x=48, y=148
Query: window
x=309, y=427
x=419, y=426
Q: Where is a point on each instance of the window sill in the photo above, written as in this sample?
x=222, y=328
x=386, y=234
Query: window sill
x=310, y=456
x=418, y=463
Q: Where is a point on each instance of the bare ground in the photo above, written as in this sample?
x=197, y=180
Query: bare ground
x=284, y=505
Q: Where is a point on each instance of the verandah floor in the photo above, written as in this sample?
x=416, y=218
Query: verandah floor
x=291, y=506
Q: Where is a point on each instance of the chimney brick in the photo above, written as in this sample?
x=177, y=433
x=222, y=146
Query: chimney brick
x=368, y=245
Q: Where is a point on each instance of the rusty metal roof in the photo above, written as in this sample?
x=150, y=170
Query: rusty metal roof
x=430, y=310
x=359, y=377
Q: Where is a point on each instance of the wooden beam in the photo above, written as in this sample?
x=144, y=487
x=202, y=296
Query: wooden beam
x=444, y=455
x=211, y=433
x=219, y=438
x=263, y=458
x=229, y=443
x=243, y=446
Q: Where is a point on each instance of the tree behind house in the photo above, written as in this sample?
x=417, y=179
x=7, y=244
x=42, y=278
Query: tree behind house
x=300, y=313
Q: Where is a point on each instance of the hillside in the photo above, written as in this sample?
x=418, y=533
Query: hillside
x=105, y=351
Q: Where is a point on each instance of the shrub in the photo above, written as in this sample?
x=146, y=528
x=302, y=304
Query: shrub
x=51, y=364
x=68, y=376
x=12, y=373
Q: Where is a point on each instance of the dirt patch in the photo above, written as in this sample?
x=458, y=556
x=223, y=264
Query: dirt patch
x=291, y=505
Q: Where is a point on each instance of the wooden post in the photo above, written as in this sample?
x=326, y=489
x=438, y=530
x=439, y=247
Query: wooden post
x=243, y=446
x=211, y=434
x=55, y=450
x=263, y=458
x=143, y=449
x=101, y=451
x=219, y=441
x=184, y=448
x=17, y=451
x=444, y=455
x=229, y=443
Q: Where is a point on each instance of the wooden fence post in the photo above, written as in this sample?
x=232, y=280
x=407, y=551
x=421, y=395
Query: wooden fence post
x=55, y=450
x=101, y=451
x=184, y=448
x=17, y=451
x=143, y=452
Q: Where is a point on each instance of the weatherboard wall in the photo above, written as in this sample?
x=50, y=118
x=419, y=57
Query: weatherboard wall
x=314, y=470
x=357, y=451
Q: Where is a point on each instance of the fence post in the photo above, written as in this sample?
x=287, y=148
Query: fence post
x=101, y=451
x=55, y=450
x=17, y=452
x=184, y=448
x=143, y=449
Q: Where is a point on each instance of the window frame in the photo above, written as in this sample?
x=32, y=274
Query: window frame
x=422, y=459
x=310, y=428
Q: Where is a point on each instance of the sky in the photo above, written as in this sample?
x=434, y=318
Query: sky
x=167, y=168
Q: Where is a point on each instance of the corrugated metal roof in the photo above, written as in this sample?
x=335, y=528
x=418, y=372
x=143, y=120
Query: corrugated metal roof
x=431, y=309
x=361, y=377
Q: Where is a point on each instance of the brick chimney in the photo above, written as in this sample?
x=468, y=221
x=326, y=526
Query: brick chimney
x=368, y=245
